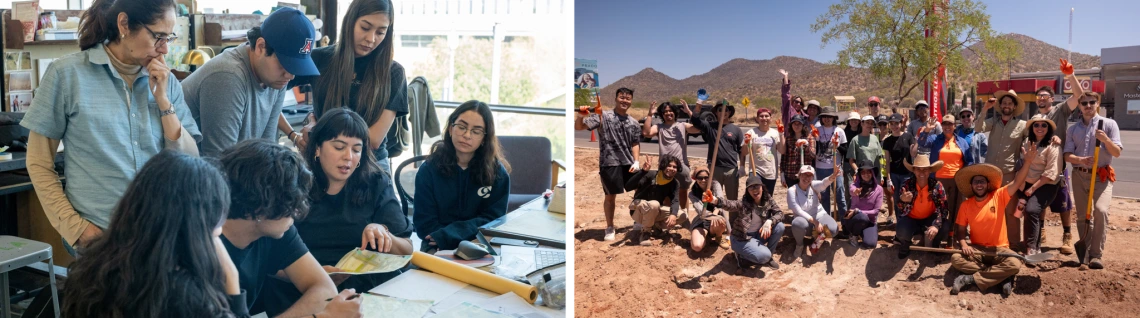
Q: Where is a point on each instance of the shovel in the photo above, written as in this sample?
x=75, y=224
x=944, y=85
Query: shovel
x=1031, y=259
x=1082, y=245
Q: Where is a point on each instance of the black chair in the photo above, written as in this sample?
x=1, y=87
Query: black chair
x=532, y=170
x=410, y=179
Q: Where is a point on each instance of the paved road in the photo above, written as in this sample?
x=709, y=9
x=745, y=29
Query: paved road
x=1127, y=166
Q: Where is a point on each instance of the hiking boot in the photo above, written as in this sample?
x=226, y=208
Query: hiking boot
x=1096, y=264
x=724, y=243
x=645, y=239
x=773, y=264
x=960, y=283
x=1007, y=287
x=610, y=232
x=1067, y=244
x=854, y=241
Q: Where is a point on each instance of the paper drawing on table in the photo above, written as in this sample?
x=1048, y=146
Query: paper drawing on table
x=360, y=261
x=374, y=306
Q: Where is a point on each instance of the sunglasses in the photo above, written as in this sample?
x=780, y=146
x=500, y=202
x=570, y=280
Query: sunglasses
x=873, y=104
x=1090, y=103
x=967, y=116
x=800, y=102
x=980, y=182
x=1044, y=96
x=1040, y=125
x=701, y=178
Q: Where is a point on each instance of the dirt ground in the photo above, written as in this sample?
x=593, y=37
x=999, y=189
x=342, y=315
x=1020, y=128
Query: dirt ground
x=622, y=279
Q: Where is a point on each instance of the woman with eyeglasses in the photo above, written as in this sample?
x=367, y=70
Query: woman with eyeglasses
x=708, y=222
x=464, y=183
x=116, y=105
x=1041, y=184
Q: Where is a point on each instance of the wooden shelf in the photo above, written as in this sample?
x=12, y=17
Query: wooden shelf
x=52, y=42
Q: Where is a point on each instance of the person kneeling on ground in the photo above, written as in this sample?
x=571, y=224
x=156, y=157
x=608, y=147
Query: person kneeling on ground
x=921, y=206
x=866, y=199
x=709, y=222
x=755, y=223
x=803, y=199
x=984, y=216
x=269, y=184
x=653, y=191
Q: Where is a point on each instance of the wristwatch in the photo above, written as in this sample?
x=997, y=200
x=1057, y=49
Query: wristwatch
x=166, y=112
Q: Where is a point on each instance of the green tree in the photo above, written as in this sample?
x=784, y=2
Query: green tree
x=887, y=37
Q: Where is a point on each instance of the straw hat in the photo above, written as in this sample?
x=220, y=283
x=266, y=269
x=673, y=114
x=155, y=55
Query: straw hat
x=923, y=161
x=1040, y=117
x=964, y=175
x=1020, y=106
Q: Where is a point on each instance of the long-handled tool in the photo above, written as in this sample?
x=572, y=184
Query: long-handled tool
x=1031, y=259
x=1083, y=245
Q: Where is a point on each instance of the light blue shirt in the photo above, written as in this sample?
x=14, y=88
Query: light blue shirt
x=108, y=132
x=1082, y=138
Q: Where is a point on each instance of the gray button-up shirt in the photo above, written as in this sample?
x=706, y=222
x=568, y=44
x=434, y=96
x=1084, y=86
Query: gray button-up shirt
x=1082, y=139
x=109, y=132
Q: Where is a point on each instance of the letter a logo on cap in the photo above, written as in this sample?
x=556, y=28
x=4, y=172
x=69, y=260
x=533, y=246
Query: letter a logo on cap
x=308, y=47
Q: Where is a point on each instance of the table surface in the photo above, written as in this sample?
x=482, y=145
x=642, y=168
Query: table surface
x=19, y=161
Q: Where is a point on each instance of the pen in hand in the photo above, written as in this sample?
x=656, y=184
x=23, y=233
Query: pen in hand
x=349, y=297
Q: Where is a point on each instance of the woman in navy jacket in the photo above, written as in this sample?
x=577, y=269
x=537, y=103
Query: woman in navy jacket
x=464, y=182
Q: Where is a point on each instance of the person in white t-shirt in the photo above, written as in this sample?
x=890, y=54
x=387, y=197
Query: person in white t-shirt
x=760, y=153
x=830, y=136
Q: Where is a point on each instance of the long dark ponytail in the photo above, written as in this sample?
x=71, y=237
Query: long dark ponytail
x=100, y=22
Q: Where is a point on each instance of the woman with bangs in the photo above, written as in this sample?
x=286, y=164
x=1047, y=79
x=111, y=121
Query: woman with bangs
x=377, y=89
x=464, y=183
x=352, y=201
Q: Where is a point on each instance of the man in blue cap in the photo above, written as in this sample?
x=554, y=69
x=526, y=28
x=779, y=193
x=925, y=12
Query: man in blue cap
x=238, y=94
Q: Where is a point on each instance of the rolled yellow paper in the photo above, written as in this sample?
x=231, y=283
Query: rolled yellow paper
x=474, y=276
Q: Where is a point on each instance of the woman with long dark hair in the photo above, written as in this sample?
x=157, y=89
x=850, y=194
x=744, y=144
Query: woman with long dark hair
x=464, y=183
x=798, y=150
x=377, y=89
x=115, y=104
x=164, y=258
x=756, y=222
x=866, y=199
x=1041, y=184
x=352, y=201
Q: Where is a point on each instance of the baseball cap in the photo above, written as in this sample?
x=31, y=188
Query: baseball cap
x=896, y=118
x=873, y=99
x=291, y=36
x=807, y=169
x=882, y=119
x=921, y=103
x=868, y=117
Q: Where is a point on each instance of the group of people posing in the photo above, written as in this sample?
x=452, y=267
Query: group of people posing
x=252, y=225
x=976, y=184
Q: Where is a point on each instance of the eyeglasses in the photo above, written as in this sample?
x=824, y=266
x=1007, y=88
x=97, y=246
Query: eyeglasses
x=979, y=181
x=1040, y=125
x=1088, y=103
x=160, y=40
x=1043, y=96
x=462, y=129
x=800, y=102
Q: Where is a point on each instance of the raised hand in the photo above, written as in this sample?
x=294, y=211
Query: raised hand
x=645, y=164
x=784, y=73
x=1029, y=151
x=652, y=108
x=906, y=195
x=989, y=104
x=1066, y=67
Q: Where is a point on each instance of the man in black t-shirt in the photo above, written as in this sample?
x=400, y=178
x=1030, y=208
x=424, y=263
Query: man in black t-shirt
x=653, y=192
x=728, y=172
x=269, y=184
x=900, y=147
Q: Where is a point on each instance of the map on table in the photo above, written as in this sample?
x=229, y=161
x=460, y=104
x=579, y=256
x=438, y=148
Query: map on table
x=360, y=261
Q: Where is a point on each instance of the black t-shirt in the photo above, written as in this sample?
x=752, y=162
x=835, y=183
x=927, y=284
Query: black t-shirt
x=899, y=148
x=731, y=140
x=263, y=258
x=398, y=100
x=335, y=225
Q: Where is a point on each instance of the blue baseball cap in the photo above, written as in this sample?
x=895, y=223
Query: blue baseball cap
x=291, y=36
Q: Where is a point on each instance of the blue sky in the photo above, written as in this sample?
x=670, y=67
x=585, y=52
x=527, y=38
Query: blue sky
x=686, y=38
